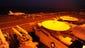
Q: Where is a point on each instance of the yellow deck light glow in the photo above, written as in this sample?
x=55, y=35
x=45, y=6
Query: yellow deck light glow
x=83, y=46
x=69, y=18
x=55, y=25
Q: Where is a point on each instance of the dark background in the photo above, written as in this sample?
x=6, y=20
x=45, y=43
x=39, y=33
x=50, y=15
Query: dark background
x=30, y=6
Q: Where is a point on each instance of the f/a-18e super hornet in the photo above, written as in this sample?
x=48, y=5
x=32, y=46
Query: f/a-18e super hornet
x=16, y=13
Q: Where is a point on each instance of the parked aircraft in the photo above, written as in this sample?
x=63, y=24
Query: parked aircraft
x=16, y=13
x=3, y=42
x=24, y=38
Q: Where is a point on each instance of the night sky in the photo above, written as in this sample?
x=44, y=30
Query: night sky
x=52, y=4
x=42, y=3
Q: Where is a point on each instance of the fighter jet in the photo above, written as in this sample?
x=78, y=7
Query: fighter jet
x=3, y=42
x=16, y=13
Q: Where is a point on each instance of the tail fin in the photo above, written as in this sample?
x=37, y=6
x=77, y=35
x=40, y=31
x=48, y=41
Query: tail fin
x=21, y=29
x=2, y=36
x=10, y=12
x=16, y=32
